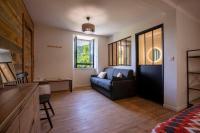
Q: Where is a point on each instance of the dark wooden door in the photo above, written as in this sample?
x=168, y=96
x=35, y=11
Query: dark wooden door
x=149, y=45
x=27, y=51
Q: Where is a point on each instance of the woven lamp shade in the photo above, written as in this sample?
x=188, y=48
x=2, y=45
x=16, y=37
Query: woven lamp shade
x=88, y=27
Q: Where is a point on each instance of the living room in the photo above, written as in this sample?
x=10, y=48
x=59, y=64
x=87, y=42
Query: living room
x=47, y=40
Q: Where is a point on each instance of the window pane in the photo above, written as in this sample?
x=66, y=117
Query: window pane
x=141, y=50
x=128, y=51
x=123, y=52
x=84, y=53
x=119, y=53
x=114, y=54
x=150, y=47
x=110, y=54
x=157, y=55
x=148, y=42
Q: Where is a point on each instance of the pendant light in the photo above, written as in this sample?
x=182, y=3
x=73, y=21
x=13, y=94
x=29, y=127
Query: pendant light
x=88, y=28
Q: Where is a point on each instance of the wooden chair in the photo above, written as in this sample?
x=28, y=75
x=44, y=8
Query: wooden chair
x=22, y=77
x=45, y=94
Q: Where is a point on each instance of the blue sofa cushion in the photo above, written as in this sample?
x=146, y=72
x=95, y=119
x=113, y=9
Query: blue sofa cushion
x=109, y=72
x=104, y=83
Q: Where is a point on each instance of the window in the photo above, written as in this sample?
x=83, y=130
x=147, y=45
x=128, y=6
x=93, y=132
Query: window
x=119, y=52
x=150, y=47
x=83, y=52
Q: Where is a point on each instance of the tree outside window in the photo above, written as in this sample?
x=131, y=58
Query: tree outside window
x=84, y=53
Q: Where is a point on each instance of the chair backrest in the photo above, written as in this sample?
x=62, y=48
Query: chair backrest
x=22, y=77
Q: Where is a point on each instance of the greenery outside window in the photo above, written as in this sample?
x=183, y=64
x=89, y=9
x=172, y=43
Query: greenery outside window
x=83, y=53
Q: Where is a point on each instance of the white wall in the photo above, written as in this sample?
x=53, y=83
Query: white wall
x=54, y=63
x=170, y=76
x=181, y=33
x=188, y=37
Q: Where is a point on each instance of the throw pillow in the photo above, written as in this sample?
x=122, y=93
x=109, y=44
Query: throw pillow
x=119, y=75
x=102, y=75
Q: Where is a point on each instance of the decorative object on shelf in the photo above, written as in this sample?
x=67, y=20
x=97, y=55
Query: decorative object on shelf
x=88, y=28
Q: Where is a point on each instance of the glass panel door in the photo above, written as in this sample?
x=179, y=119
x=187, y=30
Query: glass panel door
x=150, y=47
x=157, y=41
x=149, y=70
x=141, y=50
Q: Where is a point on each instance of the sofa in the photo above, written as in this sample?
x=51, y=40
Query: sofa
x=114, y=87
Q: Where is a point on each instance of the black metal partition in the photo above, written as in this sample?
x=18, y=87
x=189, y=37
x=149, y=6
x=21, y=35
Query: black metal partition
x=149, y=63
x=119, y=52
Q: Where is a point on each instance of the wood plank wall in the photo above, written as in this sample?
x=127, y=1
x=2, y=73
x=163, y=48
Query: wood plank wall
x=13, y=13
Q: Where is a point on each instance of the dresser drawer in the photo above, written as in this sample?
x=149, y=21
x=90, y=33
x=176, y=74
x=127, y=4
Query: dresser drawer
x=14, y=127
x=27, y=117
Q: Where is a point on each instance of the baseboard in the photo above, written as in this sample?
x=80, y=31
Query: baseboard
x=81, y=86
x=169, y=107
x=174, y=108
x=180, y=108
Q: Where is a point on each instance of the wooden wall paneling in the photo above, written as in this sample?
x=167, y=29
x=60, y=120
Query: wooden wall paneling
x=27, y=43
x=10, y=21
x=13, y=13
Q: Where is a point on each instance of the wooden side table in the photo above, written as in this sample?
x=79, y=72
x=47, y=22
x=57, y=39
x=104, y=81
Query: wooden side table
x=58, y=80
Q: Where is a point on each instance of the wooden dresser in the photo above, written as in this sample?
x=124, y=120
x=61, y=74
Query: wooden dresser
x=19, y=109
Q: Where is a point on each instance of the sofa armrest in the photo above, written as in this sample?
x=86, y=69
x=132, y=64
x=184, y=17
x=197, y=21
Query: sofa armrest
x=122, y=88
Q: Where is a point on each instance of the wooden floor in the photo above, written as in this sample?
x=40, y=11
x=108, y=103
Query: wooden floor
x=87, y=111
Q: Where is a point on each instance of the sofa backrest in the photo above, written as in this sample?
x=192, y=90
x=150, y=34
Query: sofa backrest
x=127, y=73
x=109, y=72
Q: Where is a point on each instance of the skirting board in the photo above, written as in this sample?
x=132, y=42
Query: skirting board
x=176, y=109
x=82, y=86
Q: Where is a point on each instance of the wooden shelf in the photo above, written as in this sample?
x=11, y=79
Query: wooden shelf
x=193, y=56
x=194, y=72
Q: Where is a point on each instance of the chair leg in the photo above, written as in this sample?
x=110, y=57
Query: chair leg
x=51, y=108
x=47, y=113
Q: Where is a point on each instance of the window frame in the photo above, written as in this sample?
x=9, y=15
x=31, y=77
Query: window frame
x=161, y=27
x=116, y=56
x=91, y=43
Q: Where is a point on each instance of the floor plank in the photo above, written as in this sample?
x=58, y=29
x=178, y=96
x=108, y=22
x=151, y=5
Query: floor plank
x=87, y=111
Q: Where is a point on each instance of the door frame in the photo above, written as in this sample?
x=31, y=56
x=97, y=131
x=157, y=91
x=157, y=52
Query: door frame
x=25, y=24
x=137, y=53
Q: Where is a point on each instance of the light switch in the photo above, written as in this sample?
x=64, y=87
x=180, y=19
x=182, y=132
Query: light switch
x=172, y=58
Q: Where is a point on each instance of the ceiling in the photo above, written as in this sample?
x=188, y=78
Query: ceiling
x=109, y=16
x=191, y=7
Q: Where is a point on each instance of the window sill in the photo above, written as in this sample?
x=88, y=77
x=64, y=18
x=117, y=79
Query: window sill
x=84, y=68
